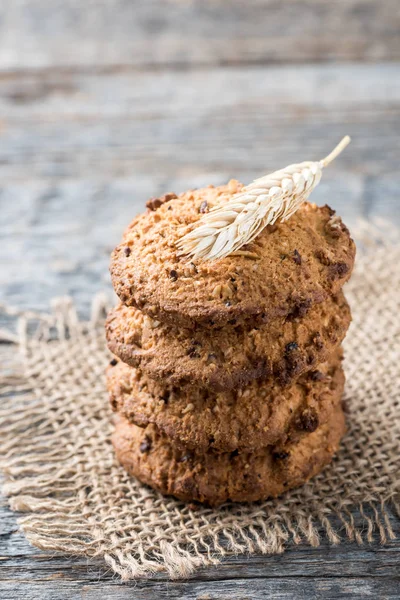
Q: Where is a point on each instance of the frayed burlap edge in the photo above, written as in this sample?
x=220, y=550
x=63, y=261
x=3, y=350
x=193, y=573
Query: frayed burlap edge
x=59, y=466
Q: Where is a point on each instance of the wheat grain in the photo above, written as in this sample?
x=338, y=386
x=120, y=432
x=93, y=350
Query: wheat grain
x=227, y=228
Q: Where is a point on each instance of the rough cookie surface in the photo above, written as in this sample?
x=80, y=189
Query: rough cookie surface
x=215, y=478
x=289, y=266
x=250, y=419
x=229, y=357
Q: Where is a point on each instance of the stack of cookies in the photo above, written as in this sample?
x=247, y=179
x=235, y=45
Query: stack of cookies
x=227, y=376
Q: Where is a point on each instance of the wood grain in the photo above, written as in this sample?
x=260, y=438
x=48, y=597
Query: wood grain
x=330, y=572
x=59, y=33
x=221, y=122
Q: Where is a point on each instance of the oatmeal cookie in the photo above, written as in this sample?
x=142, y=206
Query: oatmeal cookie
x=247, y=419
x=216, y=478
x=230, y=357
x=289, y=267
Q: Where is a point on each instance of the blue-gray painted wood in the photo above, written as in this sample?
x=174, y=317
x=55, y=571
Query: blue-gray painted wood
x=54, y=33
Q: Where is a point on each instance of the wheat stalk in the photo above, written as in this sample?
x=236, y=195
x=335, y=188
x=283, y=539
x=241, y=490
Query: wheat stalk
x=225, y=229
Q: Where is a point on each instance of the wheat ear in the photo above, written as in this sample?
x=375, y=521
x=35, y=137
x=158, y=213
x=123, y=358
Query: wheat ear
x=226, y=228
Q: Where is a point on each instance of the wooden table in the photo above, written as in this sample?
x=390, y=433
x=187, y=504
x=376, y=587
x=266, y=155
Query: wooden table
x=104, y=104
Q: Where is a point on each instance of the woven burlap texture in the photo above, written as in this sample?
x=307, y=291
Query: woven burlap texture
x=60, y=469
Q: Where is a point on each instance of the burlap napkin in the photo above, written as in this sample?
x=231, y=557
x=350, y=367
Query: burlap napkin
x=60, y=469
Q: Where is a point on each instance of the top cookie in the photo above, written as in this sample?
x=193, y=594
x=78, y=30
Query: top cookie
x=288, y=266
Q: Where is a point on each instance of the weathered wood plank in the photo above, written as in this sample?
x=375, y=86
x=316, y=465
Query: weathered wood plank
x=239, y=589
x=58, y=33
x=239, y=122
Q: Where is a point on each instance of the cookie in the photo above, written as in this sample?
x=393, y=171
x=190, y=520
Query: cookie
x=216, y=478
x=289, y=267
x=232, y=356
x=247, y=419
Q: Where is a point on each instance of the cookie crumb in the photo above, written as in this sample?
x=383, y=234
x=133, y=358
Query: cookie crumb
x=155, y=203
x=308, y=420
x=203, y=207
x=291, y=347
x=338, y=270
x=297, y=257
x=192, y=352
x=281, y=455
x=145, y=446
x=317, y=376
x=187, y=456
x=318, y=343
x=223, y=291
